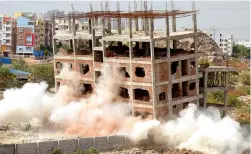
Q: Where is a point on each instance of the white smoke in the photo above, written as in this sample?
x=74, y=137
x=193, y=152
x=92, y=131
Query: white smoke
x=99, y=115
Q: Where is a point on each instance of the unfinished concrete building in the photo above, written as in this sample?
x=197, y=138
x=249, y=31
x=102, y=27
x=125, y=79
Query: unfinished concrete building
x=157, y=81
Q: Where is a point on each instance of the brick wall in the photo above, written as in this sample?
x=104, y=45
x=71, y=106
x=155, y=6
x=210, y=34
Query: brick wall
x=161, y=72
x=127, y=69
x=148, y=71
x=149, y=89
x=160, y=89
x=162, y=112
x=64, y=61
x=90, y=73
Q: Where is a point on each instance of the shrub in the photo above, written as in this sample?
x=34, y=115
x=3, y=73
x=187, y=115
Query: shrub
x=234, y=101
x=244, y=121
x=57, y=151
x=43, y=73
x=78, y=152
x=92, y=150
x=19, y=64
x=245, y=78
x=7, y=80
x=233, y=79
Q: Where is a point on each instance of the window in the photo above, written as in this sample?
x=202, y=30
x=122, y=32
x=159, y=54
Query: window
x=142, y=95
x=28, y=42
x=20, y=49
x=28, y=48
x=59, y=65
x=124, y=92
x=83, y=68
x=30, y=23
x=192, y=86
x=162, y=96
x=140, y=72
x=20, y=29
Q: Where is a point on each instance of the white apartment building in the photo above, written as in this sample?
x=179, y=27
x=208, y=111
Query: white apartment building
x=243, y=42
x=226, y=44
x=7, y=34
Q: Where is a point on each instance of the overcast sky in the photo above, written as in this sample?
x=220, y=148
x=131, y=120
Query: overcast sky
x=228, y=17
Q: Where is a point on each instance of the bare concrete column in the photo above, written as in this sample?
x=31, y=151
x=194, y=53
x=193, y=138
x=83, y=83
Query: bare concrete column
x=226, y=93
x=54, y=63
x=170, y=107
x=131, y=71
x=53, y=25
x=153, y=78
x=205, y=89
x=103, y=42
x=73, y=27
x=136, y=22
x=74, y=50
x=130, y=27
x=195, y=51
x=69, y=24
x=90, y=25
x=119, y=25
x=174, y=24
x=151, y=28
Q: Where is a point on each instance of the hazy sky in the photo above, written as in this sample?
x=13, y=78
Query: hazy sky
x=228, y=17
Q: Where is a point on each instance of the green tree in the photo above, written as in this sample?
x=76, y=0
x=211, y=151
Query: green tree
x=240, y=51
x=42, y=47
x=46, y=52
x=19, y=64
x=59, y=45
x=43, y=73
x=7, y=79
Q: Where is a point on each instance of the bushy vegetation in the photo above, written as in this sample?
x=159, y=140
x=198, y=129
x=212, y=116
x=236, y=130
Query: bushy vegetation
x=57, y=150
x=43, y=73
x=245, y=77
x=218, y=98
x=240, y=51
x=19, y=64
x=7, y=80
x=92, y=150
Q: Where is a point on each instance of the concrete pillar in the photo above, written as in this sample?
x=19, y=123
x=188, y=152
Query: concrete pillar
x=74, y=51
x=226, y=93
x=145, y=27
x=90, y=25
x=151, y=28
x=131, y=72
x=174, y=24
x=54, y=63
x=119, y=25
x=69, y=24
x=170, y=107
x=130, y=27
x=73, y=27
x=109, y=26
x=195, y=51
x=153, y=78
x=53, y=25
x=136, y=22
x=205, y=89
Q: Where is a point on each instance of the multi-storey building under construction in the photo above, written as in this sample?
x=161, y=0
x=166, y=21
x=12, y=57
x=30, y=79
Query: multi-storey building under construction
x=158, y=81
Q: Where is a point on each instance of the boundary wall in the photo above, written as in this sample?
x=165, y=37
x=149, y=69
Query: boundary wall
x=105, y=143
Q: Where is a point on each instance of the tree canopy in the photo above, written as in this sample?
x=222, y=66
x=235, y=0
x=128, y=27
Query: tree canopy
x=240, y=51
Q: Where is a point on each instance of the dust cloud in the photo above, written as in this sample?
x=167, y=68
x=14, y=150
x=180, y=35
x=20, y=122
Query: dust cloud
x=100, y=115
